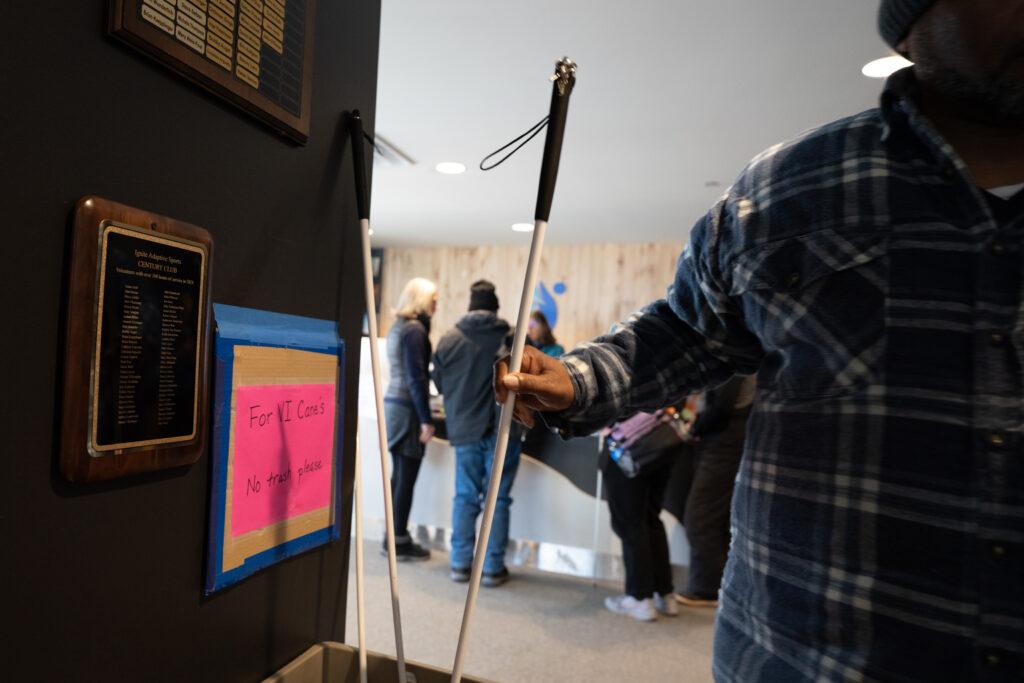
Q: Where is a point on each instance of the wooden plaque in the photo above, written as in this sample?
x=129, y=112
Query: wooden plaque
x=257, y=54
x=135, y=359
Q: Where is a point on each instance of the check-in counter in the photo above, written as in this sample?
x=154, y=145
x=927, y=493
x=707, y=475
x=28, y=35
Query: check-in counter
x=559, y=520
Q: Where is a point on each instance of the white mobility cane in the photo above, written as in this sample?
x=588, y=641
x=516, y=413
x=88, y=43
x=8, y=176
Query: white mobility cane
x=564, y=79
x=360, y=575
x=362, y=203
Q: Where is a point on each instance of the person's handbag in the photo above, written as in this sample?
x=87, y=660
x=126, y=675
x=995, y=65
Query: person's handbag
x=645, y=438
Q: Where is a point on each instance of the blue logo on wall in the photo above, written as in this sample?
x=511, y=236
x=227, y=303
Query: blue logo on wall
x=544, y=302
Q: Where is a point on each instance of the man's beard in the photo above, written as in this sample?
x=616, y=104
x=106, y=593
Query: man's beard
x=995, y=100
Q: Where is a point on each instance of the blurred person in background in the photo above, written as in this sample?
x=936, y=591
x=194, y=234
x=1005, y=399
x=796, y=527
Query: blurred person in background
x=637, y=464
x=463, y=369
x=406, y=404
x=718, y=434
x=541, y=336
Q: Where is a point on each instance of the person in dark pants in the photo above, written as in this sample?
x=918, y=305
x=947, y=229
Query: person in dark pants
x=719, y=431
x=406, y=404
x=635, y=506
x=462, y=373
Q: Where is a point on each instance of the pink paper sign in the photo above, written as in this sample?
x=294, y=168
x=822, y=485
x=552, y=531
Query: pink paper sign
x=284, y=440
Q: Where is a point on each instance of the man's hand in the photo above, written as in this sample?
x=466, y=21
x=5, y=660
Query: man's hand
x=426, y=432
x=541, y=384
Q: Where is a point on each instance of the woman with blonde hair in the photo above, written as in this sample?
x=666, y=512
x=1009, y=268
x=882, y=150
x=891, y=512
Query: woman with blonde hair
x=406, y=405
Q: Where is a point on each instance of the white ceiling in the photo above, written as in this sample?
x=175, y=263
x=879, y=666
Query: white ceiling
x=670, y=95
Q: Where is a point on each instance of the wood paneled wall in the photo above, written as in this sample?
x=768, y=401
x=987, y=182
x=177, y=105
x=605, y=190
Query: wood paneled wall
x=604, y=283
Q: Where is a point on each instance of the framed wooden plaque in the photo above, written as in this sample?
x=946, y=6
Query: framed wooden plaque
x=257, y=54
x=137, y=336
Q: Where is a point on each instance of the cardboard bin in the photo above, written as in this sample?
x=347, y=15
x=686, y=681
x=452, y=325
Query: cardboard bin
x=339, y=663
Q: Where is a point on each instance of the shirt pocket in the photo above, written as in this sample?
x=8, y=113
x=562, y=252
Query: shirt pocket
x=817, y=304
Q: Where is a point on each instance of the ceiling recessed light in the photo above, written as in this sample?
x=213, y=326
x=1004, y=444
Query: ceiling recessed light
x=450, y=168
x=884, y=67
x=522, y=227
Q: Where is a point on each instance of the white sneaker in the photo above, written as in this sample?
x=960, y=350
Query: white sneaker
x=666, y=604
x=641, y=610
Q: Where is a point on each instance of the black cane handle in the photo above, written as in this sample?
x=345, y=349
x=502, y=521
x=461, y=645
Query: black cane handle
x=564, y=79
x=355, y=129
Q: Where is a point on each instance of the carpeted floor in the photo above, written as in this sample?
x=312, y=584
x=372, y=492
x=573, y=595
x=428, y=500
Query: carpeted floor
x=538, y=627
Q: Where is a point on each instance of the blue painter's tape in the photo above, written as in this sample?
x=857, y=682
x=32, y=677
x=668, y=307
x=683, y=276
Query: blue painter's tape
x=264, y=328
x=248, y=327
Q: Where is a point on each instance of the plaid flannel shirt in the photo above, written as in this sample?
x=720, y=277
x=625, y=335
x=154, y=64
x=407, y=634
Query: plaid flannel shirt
x=878, y=515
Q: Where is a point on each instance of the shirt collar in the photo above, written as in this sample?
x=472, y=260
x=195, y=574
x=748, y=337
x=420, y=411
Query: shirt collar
x=900, y=108
x=899, y=87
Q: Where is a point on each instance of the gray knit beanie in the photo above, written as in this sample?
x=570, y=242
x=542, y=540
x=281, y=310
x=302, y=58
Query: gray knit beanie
x=895, y=17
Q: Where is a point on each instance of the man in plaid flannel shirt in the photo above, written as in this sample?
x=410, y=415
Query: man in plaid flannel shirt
x=870, y=272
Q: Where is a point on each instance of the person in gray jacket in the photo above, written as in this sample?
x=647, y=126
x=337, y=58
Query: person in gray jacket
x=462, y=373
x=406, y=404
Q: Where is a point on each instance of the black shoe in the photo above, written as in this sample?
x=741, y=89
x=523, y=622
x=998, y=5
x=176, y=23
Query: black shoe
x=496, y=579
x=411, y=552
x=408, y=552
x=459, y=574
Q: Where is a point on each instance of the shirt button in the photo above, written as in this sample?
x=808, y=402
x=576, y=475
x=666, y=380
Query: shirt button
x=996, y=439
x=793, y=280
x=998, y=550
x=997, y=339
x=992, y=659
x=997, y=249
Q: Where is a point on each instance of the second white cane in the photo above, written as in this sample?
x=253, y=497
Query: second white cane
x=362, y=203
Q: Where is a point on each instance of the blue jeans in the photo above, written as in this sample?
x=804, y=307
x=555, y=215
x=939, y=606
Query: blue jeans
x=472, y=472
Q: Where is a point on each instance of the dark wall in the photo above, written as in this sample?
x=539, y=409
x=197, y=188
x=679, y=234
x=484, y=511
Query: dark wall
x=104, y=581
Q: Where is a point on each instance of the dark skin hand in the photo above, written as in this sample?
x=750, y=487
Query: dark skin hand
x=541, y=384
